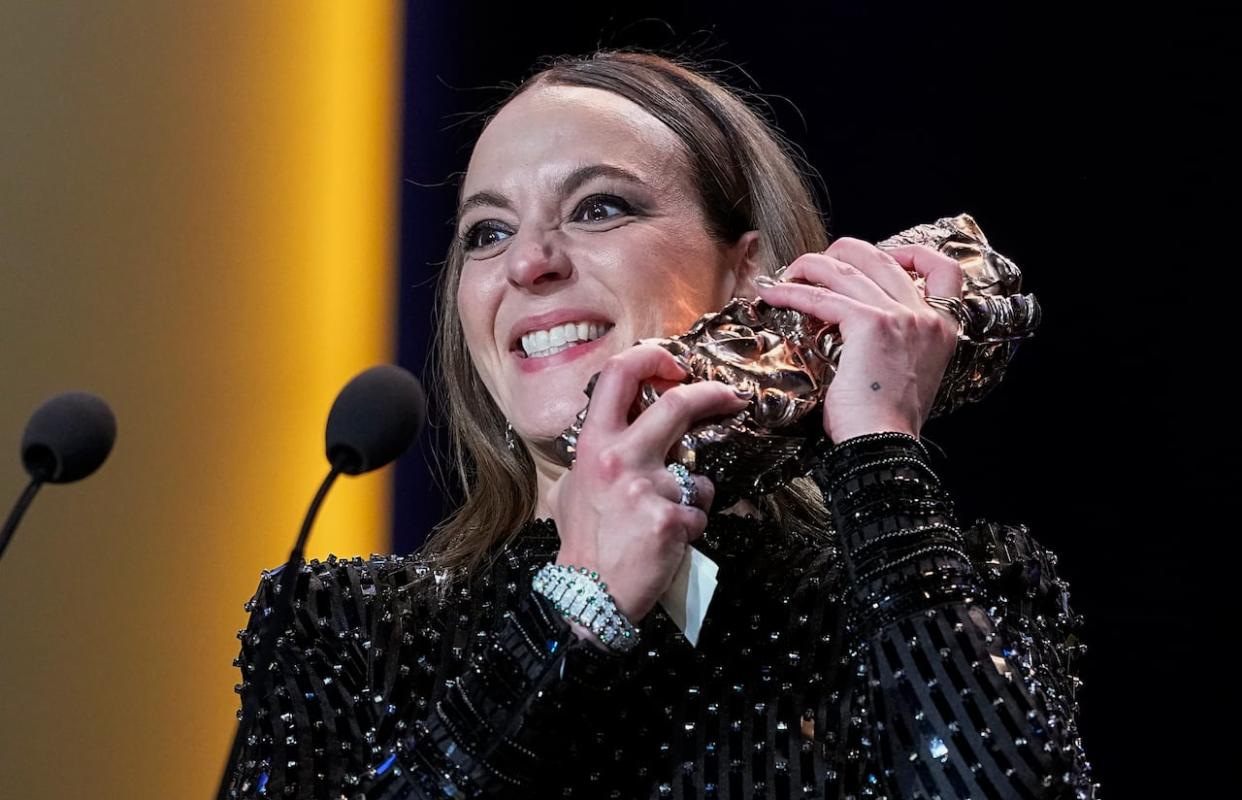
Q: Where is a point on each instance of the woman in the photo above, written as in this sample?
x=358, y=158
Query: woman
x=859, y=643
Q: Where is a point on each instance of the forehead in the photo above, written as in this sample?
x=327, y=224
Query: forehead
x=547, y=131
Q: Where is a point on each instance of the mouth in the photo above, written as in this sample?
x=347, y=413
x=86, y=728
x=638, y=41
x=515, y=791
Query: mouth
x=542, y=350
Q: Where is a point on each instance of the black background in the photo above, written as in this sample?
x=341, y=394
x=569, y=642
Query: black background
x=1092, y=151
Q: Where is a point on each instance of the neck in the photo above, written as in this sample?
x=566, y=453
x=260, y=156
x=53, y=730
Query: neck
x=548, y=471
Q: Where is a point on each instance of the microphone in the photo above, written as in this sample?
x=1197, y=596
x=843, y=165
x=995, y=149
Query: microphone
x=372, y=422
x=66, y=439
x=374, y=419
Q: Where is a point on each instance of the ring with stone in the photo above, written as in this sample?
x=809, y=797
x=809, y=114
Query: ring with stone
x=689, y=490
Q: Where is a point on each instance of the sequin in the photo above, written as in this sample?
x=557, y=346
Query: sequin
x=389, y=650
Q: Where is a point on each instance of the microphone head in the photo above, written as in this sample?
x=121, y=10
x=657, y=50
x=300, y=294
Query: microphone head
x=68, y=437
x=375, y=418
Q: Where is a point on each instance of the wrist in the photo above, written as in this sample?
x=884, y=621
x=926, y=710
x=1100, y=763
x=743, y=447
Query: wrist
x=836, y=459
x=580, y=596
x=844, y=434
x=623, y=605
x=586, y=634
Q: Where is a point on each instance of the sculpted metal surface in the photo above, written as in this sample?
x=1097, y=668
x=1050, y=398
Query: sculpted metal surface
x=789, y=359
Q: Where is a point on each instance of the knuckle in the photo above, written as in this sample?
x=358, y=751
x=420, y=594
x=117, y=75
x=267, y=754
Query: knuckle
x=821, y=293
x=905, y=320
x=668, y=519
x=637, y=488
x=675, y=399
x=615, y=364
x=610, y=463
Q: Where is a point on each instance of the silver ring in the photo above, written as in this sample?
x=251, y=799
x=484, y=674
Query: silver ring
x=954, y=306
x=689, y=490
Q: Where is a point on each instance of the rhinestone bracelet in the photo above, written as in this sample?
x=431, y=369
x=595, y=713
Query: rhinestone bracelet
x=580, y=595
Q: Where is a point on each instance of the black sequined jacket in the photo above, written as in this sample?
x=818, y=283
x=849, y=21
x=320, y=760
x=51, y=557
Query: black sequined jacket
x=897, y=656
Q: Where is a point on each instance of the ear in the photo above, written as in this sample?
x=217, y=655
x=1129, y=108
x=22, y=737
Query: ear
x=744, y=260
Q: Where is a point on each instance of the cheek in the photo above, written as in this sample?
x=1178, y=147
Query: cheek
x=477, y=319
x=476, y=311
x=676, y=277
x=650, y=264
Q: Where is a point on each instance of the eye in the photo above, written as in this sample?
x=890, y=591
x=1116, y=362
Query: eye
x=470, y=240
x=593, y=209
x=596, y=207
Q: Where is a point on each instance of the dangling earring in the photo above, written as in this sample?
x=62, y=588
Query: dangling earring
x=511, y=438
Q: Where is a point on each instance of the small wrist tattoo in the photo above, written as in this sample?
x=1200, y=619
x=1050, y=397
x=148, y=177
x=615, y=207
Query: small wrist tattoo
x=875, y=387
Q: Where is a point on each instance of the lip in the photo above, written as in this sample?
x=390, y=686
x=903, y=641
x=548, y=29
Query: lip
x=539, y=322
x=528, y=365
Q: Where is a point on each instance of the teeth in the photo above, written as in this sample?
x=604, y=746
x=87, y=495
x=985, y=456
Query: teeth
x=561, y=337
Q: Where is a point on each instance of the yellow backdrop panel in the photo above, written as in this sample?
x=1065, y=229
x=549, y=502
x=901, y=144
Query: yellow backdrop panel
x=197, y=207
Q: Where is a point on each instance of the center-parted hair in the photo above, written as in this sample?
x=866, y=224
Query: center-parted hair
x=747, y=177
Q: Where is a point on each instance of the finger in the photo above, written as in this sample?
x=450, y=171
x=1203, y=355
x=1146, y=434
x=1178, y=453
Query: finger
x=618, y=383
x=659, y=427
x=817, y=301
x=695, y=522
x=670, y=489
x=877, y=264
x=690, y=521
x=837, y=275
x=942, y=273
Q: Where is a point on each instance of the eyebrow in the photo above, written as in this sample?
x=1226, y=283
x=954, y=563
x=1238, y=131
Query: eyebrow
x=568, y=185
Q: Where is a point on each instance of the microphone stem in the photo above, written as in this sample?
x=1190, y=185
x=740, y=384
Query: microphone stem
x=299, y=546
x=15, y=516
x=276, y=624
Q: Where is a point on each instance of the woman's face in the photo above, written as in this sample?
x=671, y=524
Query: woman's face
x=579, y=216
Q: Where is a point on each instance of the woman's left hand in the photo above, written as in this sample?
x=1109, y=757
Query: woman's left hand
x=895, y=346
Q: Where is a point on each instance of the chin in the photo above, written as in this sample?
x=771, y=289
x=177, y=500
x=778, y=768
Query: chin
x=549, y=420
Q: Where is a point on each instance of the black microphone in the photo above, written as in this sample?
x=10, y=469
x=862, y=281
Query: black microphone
x=373, y=421
x=66, y=439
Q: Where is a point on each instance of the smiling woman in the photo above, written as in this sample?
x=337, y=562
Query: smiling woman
x=862, y=644
x=581, y=226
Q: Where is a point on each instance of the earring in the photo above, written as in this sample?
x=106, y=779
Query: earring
x=511, y=437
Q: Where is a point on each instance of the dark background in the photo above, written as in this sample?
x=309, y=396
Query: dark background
x=1091, y=150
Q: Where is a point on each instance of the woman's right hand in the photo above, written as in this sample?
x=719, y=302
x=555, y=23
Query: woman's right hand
x=618, y=511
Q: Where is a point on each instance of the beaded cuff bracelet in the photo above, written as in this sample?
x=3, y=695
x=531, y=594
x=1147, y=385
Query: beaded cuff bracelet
x=580, y=595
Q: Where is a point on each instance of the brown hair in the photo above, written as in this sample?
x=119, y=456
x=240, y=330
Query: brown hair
x=748, y=176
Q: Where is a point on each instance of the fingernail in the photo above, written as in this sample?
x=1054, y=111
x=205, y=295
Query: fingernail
x=744, y=392
x=765, y=281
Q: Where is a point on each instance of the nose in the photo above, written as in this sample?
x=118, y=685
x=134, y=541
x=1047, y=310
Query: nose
x=534, y=260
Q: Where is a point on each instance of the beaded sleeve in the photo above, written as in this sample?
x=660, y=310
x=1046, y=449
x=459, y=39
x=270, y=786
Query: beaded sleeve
x=962, y=646
x=381, y=692
x=501, y=725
